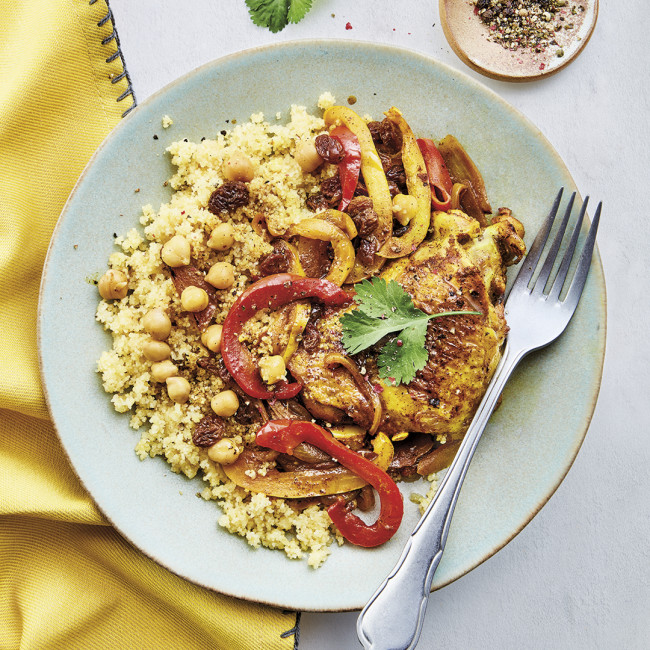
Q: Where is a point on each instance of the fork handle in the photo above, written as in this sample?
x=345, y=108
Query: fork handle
x=393, y=617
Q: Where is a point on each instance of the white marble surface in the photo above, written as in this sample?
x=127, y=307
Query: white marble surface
x=577, y=576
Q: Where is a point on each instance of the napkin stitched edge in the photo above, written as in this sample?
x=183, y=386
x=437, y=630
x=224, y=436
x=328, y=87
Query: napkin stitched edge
x=114, y=36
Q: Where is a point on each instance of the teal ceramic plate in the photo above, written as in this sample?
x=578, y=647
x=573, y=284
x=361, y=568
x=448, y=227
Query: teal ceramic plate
x=531, y=440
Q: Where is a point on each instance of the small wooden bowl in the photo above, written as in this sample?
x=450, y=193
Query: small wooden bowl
x=468, y=37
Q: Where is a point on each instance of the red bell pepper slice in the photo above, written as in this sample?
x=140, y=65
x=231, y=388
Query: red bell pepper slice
x=271, y=292
x=285, y=435
x=439, y=178
x=350, y=166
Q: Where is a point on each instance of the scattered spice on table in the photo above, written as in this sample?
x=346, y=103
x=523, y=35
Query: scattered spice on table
x=528, y=24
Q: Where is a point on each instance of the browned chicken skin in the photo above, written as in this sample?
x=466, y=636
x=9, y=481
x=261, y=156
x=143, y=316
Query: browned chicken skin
x=462, y=267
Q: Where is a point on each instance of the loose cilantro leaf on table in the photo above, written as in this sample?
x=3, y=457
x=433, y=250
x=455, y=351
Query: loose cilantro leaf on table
x=298, y=10
x=277, y=14
x=385, y=308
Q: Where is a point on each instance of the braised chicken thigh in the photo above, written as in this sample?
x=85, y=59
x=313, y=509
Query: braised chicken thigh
x=461, y=267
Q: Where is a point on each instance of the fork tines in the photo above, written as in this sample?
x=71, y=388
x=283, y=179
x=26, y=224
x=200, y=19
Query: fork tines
x=534, y=254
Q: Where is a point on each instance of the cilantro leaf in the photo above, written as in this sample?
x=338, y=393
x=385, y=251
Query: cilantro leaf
x=269, y=13
x=404, y=355
x=298, y=10
x=382, y=299
x=360, y=331
x=385, y=308
x=277, y=14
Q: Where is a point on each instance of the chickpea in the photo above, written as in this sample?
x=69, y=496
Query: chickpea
x=211, y=338
x=222, y=237
x=163, y=370
x=272, y=369
x=194, y=299
x=178, y=389
x=404, y=208
x=221, y=275
x=238, y=167
x=225, y=403
x=224, y=451
x=156, y=350
x=157, y=324
x=176, y=252
x=307, y=157
x=113, y=285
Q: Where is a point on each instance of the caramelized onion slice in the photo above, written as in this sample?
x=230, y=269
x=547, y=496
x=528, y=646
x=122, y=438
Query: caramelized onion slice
x=292, y=485
x=437, y=459
x=337, y=359
x=463, y=170
x=317, y=482
x=456, y=192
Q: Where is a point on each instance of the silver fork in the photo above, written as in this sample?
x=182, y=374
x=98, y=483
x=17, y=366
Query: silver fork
x=393, y=617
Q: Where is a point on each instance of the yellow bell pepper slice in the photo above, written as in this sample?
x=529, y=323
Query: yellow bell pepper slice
x=325, y=231
x=340, y=220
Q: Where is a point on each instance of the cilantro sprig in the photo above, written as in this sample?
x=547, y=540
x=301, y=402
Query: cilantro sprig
x=277, y=14
x=385, y=308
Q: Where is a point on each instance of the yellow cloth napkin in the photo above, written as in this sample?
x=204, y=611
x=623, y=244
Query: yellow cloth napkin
x=67, y=578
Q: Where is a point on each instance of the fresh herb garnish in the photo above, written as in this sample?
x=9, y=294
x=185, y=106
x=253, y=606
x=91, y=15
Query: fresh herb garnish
x=277, y=14
x=385, y=308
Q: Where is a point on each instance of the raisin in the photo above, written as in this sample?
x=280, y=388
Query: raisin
x=217, y=367
x=228, y=197
x=375, y=130
x=391, y=136
x=366, y=222
x=385, y=158
x=396, y=174
x=361, y=189
x=393, y=188
x=366, y=499
x=331, y=188
x=367, y=250
x=210, y=429
x=329, y=149
x=359, y=205
x=311, y=339
x=365, y=218
x=248, y=413
x=399, y=230
x=277, y=261
x=317, y=202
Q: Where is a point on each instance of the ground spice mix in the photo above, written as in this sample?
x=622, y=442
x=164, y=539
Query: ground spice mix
x=528, y=24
